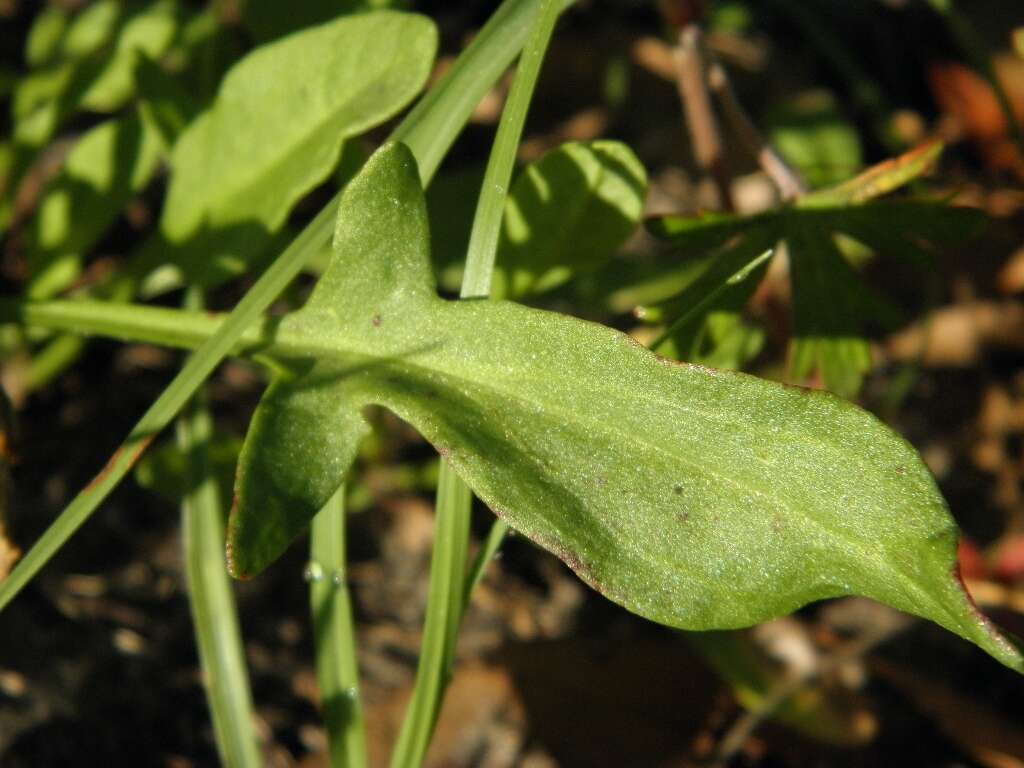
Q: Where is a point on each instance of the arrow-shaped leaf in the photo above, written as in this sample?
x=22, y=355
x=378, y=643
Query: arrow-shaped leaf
x=693, y=497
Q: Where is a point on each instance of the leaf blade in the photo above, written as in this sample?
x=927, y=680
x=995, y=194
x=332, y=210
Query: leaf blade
x=240, y=167
x=734, y=502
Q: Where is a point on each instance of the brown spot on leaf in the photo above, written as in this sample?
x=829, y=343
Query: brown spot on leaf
x=135, y=455
x=376, y=321
x=229, y=544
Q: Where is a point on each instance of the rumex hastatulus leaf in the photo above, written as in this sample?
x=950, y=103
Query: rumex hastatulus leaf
x=276, y=129
x=694, y=497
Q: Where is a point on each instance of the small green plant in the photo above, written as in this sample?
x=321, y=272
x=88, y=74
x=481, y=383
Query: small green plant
x=696, y=497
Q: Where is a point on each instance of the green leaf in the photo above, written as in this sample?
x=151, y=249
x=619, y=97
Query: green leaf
x=270, y=19
x=568, y=212
x=107, y=166
x=693, y=497
x=878, y=180
x=166, y=105
x=45, y=35
x=813, y=135
x=92, y=65
x=709, y=328
x=831, y=305
x=276, y=128
x=828, y=309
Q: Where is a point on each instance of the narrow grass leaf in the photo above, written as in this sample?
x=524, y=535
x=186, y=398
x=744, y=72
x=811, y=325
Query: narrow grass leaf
x=337, y=669
x=214, y=615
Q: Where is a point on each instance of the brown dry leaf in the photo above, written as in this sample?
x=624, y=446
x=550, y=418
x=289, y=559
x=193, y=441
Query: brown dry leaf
x=9, y=554
x=965, y=95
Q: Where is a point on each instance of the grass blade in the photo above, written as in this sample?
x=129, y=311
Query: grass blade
x=214, y=615
x=491, y=545
x=440, y=629
x=447, y=595
x=337, y=670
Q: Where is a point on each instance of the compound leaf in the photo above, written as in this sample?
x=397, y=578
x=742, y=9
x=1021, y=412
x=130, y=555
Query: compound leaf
x=694, y=497
x=830, y=301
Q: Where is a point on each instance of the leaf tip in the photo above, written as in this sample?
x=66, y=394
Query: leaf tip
x=1002, y=646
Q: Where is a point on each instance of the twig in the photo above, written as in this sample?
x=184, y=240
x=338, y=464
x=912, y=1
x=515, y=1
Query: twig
x=688, y=57
x=786, y=178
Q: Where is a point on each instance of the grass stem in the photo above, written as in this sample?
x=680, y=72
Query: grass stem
x=337, y=669
x=448, y=576
x=214, y=615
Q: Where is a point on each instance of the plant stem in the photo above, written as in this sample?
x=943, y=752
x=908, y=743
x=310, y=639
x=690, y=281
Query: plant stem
x=214, y=615
x=448, y=595
x=429, y=132
x=786, y=178
x=440, y=628
x=490, y=547
x=692, y=83
x=337, y=669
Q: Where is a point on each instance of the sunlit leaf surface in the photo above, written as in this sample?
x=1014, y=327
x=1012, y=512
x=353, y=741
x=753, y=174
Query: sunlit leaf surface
x=694, y=497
